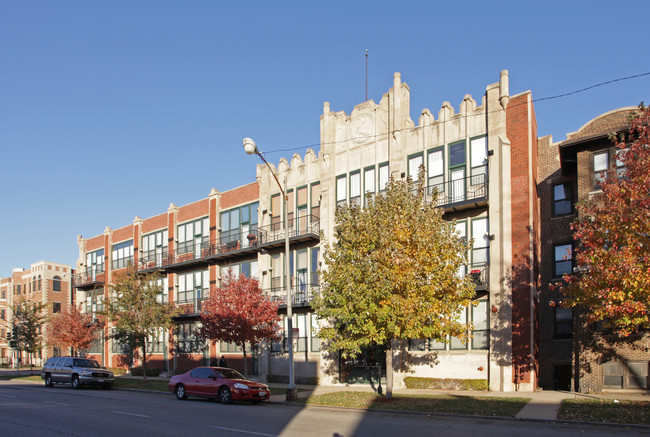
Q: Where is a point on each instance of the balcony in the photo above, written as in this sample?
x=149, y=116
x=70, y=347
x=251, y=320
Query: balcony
x=301, y=295
x=90, y=278
x=163, y=259
x=302, y=229
x=234, y=244
x=190, y=308
x=480, y=275
x=460, y=194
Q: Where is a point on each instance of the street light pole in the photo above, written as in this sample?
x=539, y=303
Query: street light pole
x=251, y=148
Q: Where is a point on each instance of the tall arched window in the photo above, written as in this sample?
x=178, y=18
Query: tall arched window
x=40, y=281
x=56, y=283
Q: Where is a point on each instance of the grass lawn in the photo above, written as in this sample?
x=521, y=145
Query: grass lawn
x=22, y=377
x=605, y=410
x=474, y=405
x=138, y=383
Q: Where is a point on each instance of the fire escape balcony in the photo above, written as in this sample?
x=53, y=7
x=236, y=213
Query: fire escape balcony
x=90, y=278
x=460, y=194
x=480, y=275
x=301, y=294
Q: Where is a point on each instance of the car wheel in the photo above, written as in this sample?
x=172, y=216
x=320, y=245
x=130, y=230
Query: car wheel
x=48, y=380
x=76, y=384
x=180, y=392
x=224, y=395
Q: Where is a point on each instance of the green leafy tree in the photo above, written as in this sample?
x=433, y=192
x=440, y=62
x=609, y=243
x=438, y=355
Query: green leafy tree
x=26, y=327
x=135, y=307
x=392, y=272
x=613, y=232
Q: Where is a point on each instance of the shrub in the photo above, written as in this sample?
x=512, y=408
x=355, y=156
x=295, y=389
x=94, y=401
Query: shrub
x=139, y=371
x=117, y=371
x=445, y=383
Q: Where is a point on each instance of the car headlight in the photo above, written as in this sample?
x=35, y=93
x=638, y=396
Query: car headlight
x=240, y=385
x=86, y=373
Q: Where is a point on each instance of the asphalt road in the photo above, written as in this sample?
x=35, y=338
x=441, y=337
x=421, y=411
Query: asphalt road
x=33, y=410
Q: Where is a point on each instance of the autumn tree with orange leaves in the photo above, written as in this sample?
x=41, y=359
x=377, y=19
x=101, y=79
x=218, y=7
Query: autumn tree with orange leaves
x=239, y=312
x=613, y=233
x=72, y=330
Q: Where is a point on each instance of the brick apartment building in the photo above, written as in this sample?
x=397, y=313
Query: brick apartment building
x=46, y=282
x=575, y=355
x=483, y=161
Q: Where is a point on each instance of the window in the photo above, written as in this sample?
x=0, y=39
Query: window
x=461, y=232
x=563, y=323
x=481, y=329
x=355, y=188
x=237, y=224
x=457, y=164
x=193, y=286
x=154, y=248
x=341, y=190
x=94, y=301
x=480, y=248
x=384, y=177
x=456, y=343
x=563, y=260
x=456, y=154
x=3, y=315
x=247, y=268
x=478, y=160
x=122, y=254
x=601, y=165
x=315, y=341
x=314, y=265
x=163, y=296
x=95, y=263
x=620, y=163
x=562, y=199
x=40, y=283
x=436, y=171
x=186, y=341
x=414, y=164
x=315, y=200
x=56, y=283
x=4, y=294
x=303, y=333
x=369, y=183
x=56, y=307
x=191, y=235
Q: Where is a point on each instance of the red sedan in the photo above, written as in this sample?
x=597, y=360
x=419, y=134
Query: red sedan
x=218, y=382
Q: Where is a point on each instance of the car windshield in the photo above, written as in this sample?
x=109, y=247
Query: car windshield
x=79, y=362
x=230, y=374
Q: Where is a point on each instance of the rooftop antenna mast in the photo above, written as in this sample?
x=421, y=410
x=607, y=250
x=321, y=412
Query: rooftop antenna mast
x=366, y=75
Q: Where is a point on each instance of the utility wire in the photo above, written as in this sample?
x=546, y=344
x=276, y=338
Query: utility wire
x=541, y=99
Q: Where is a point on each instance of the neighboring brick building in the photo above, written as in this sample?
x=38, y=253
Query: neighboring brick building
x=46, y=282
x=575, y=355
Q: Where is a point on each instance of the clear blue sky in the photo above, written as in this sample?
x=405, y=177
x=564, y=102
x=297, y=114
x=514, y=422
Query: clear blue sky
x=112, y=109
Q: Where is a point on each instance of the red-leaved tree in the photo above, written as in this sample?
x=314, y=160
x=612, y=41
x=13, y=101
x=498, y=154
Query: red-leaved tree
x=239, y=312
x=72, y=329
x=613, y=232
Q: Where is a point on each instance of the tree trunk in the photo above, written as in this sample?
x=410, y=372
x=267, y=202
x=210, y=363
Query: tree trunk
x=243, y=348
x=144, y=357
x=389, y=369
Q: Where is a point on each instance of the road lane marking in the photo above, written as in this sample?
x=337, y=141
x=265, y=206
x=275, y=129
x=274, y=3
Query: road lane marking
x=56, y=403
x=243, y=431
x=8, y=396
x=129, y=414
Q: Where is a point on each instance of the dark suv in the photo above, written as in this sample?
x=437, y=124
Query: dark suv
x=76, y=371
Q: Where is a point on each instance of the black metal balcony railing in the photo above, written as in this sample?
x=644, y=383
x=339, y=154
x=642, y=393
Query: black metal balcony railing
x=480, y=275
x=468, y=189
x=301, y=294
x=94, y=275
